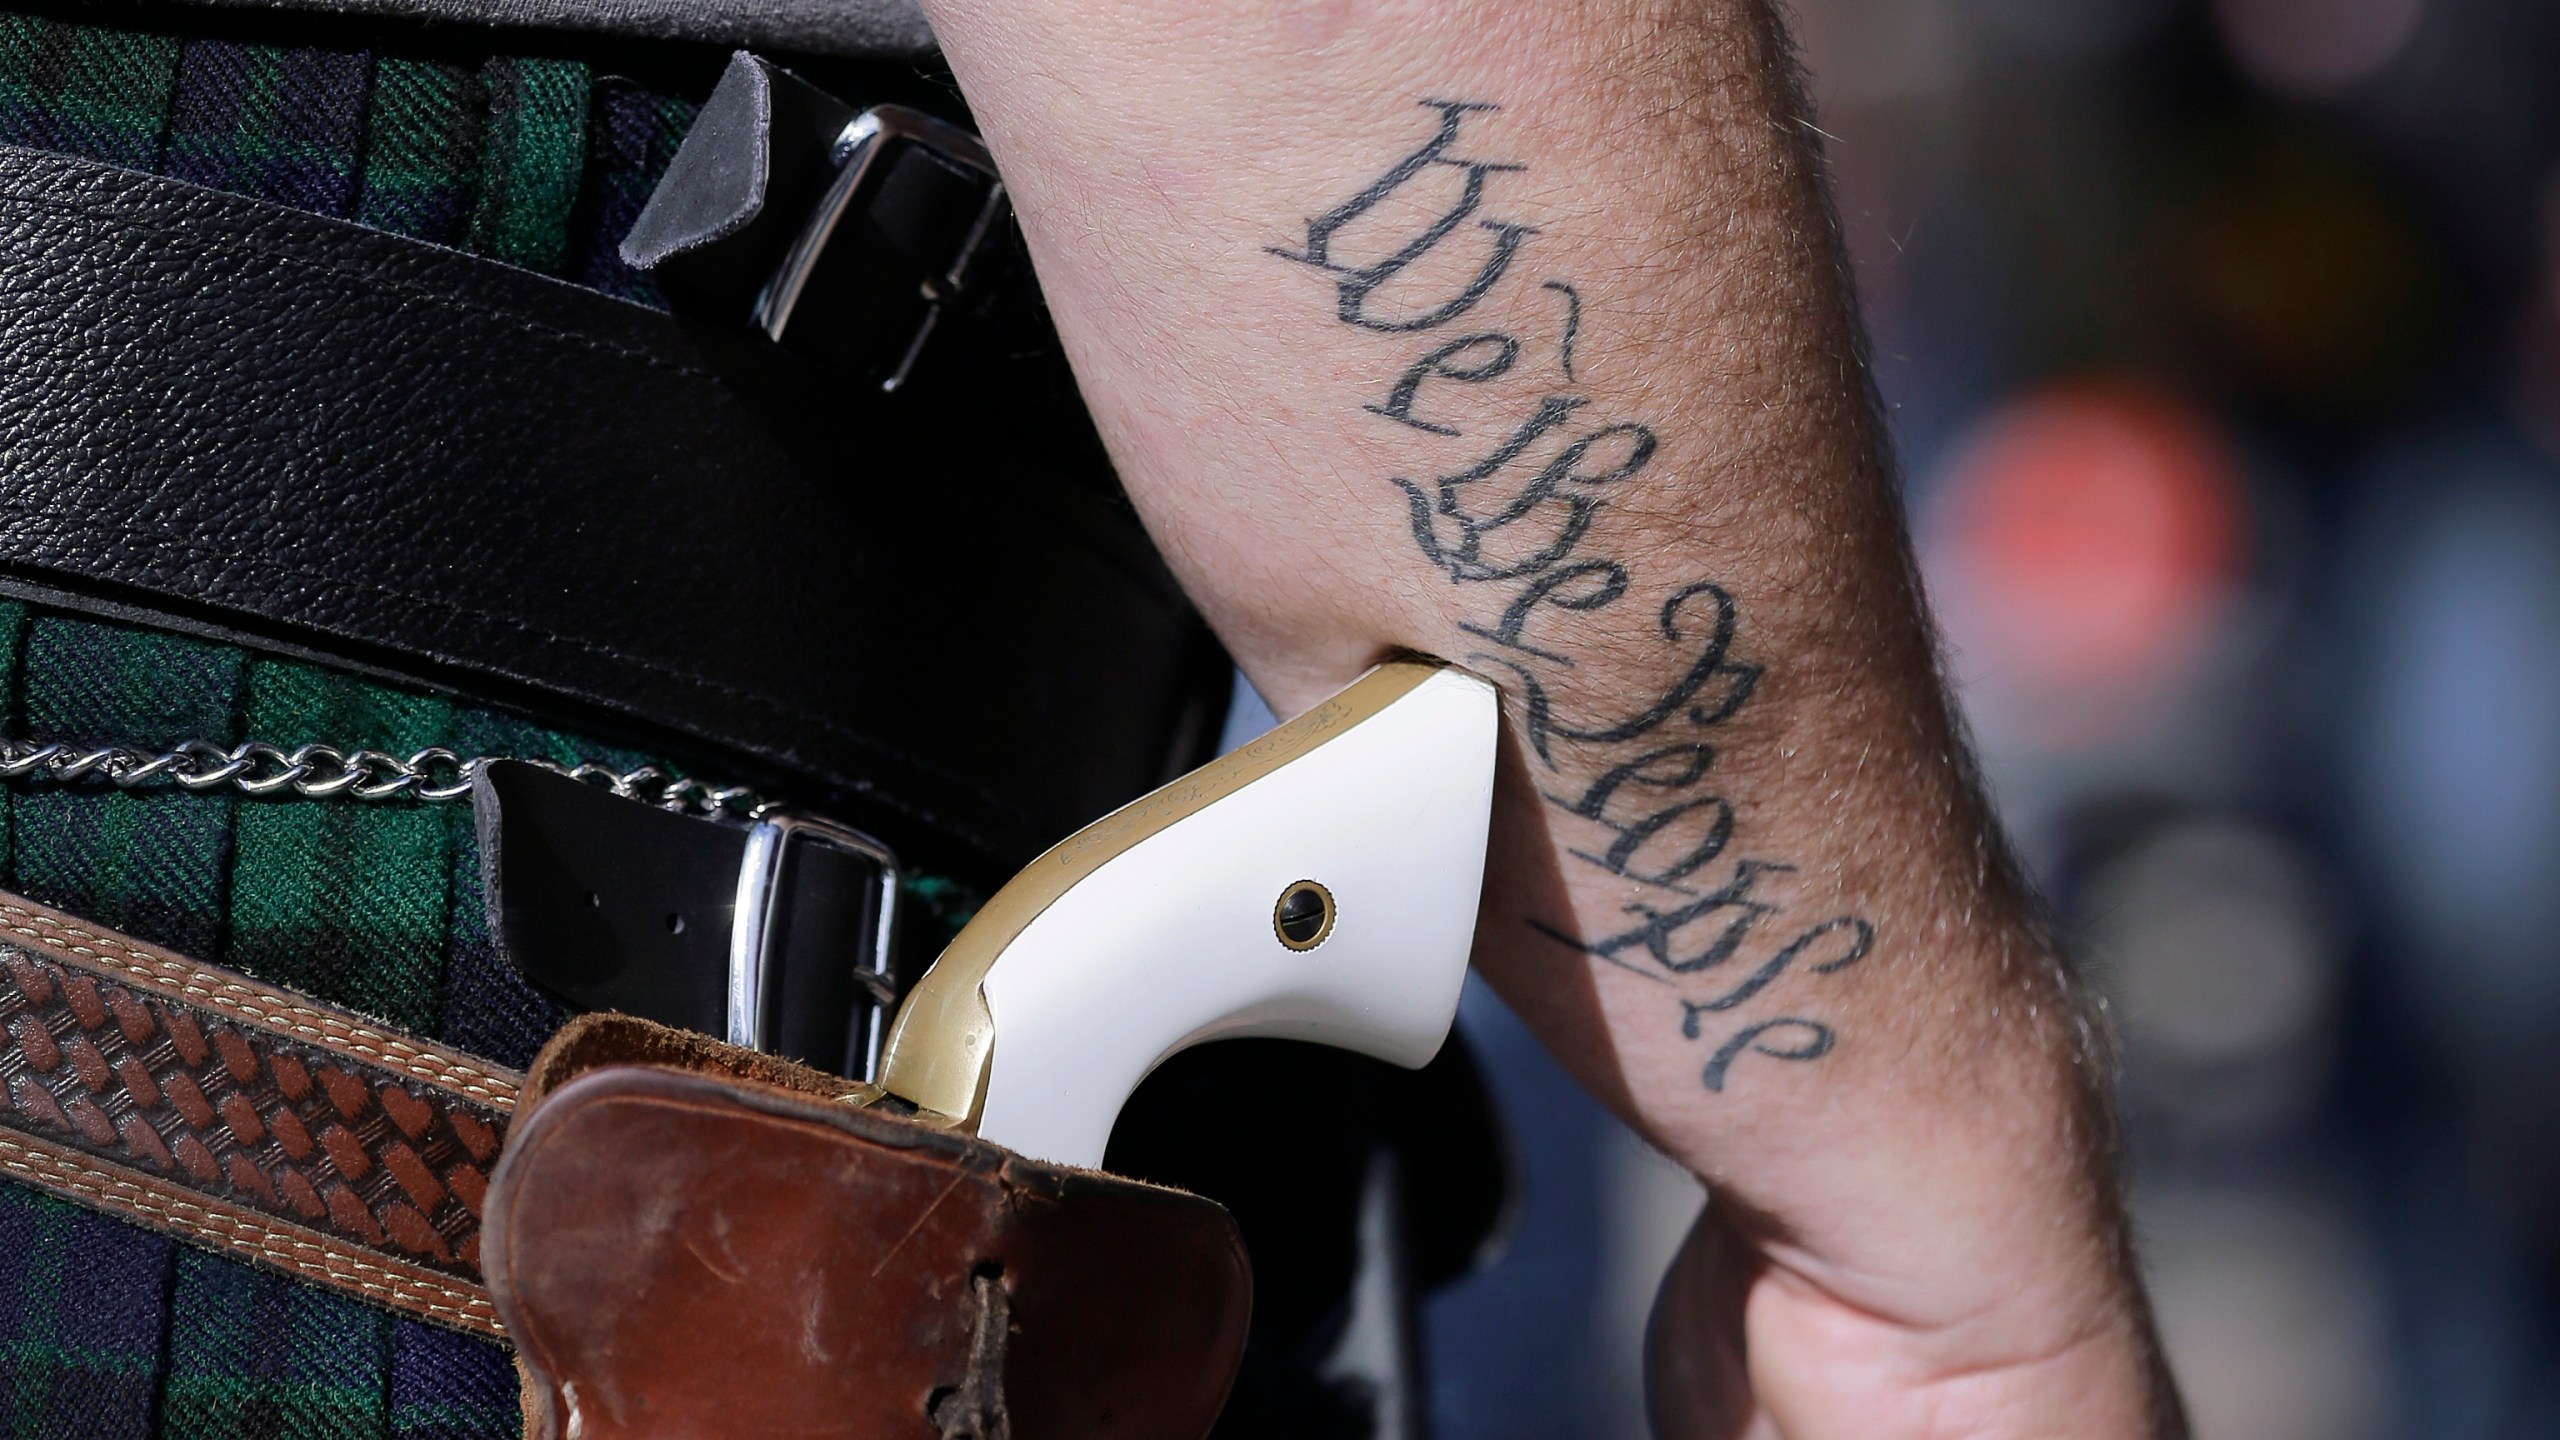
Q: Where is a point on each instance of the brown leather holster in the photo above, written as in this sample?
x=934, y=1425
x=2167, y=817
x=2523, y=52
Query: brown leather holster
x=687, y=1239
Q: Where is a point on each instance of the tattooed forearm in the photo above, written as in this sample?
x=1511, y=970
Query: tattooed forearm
x=1509, y=494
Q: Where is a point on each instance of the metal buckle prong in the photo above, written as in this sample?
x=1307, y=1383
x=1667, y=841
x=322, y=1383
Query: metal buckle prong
x=859, y=149
x=752, y=937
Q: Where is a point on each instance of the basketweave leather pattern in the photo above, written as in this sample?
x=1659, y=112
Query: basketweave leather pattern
x=244, y=1117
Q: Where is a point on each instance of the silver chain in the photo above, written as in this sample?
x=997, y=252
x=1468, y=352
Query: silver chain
x=322, y=772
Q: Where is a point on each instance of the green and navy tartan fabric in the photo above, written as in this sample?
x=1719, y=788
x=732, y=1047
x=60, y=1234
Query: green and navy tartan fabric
x=108, y=1330
x=280, y=125
x=419, y=169
x=536, y=162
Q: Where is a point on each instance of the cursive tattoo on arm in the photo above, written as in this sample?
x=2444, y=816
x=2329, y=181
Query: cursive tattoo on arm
x=1521, y=514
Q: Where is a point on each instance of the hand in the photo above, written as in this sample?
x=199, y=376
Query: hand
x=1516, y=335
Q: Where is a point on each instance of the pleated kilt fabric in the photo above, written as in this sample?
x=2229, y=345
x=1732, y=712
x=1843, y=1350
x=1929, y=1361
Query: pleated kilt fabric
x=108, y=1330
x=536, y=162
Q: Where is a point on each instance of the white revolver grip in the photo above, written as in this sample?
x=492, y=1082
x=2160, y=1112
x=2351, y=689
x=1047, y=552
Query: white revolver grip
x=1176, y=940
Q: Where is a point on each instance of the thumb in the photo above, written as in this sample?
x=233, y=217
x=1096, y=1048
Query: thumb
x=1697, y=1382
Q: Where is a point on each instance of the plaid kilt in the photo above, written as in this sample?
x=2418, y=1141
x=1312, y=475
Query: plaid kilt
x=106, y=1329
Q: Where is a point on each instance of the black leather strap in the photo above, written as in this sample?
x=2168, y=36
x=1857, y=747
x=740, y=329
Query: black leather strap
x=852, y=237
x=317, y=435
x=612, y=904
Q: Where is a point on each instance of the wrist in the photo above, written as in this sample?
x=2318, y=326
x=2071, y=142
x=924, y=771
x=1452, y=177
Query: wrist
x=1742, y=1343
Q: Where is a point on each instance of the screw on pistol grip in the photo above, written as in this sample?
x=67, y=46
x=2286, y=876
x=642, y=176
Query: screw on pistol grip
x=1304, y=916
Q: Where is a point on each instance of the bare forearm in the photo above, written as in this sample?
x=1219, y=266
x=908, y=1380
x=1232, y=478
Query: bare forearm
x=1514, y=335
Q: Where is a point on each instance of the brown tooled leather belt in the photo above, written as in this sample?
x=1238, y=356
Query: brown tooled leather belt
x=682, y=1237
x=247, y=1118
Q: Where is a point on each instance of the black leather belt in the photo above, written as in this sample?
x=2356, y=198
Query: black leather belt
x=775, y=935
x=237, y=418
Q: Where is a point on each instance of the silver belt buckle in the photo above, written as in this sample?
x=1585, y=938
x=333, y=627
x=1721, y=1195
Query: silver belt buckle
x=860, y=151
x=759, y=936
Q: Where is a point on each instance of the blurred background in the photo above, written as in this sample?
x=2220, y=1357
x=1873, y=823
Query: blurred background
x=2221, y=345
